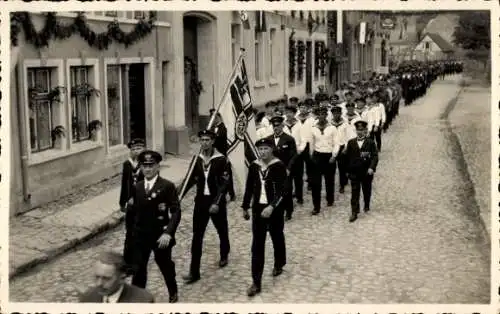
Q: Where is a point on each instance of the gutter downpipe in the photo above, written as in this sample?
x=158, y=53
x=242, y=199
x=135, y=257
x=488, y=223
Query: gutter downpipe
x=22, y=143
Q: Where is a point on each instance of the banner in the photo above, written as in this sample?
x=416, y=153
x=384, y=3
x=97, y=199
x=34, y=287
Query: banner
x=237, y=114
x=244, y=19
x=340, y=24
x=260, y=24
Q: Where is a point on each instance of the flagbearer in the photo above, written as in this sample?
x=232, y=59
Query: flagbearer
x=285, y=150
x=211, y=175
x=362, y=155
x=265, y=185
x=131, y=174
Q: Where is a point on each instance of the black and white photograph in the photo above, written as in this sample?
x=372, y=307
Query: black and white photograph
x=300, y=156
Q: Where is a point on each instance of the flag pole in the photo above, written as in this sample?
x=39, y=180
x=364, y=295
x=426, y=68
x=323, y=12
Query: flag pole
x=209, y=126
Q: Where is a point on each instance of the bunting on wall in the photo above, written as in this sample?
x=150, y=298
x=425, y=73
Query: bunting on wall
x=53, y=29
x=260, y=21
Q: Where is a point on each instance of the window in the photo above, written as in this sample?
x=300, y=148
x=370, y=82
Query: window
x=139, y=15
x=273, y=54
x=114, y=86
x=81, y=92
x=111, y=13
x=258, y=56
x=317, y=53
x=427, y=45
x=235, y=42
x=42, y=114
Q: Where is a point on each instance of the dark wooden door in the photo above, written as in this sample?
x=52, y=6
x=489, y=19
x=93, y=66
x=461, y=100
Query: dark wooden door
x=137, y=101
x=190, y=74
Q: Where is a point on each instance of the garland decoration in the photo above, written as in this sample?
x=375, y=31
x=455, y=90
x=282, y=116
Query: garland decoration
x=53, y=29
x=292, y=55
x=301, y=50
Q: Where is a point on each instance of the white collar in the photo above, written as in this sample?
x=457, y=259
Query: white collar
x=113, y=298
x=207, y=159
x=265, y=166
x=133, y=162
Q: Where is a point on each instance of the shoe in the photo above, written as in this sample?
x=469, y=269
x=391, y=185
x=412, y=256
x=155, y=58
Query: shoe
x=353, y=218
x=223, y=262
x=341, y=190
x=330, y=204
x=300, y=202
x=288, y=217
x=253, y=290
x=232, y=198
x=173, y=298
x=315, y=212
x=277, y=271
x=190, y=279
x=366, y=209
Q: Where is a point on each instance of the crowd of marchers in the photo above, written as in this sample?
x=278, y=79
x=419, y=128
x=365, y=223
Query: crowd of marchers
x=300, y=143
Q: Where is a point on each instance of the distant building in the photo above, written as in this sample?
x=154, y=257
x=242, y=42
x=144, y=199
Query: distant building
x=433, y=47
x=161, y=88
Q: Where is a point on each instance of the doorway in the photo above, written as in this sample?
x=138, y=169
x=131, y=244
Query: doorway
x=308, y=67
x=191, y=97
x=137, y=89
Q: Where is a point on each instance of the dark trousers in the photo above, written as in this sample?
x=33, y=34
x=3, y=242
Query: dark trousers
x=230, y=188
x=275, y=225
x=341, y=163
x=303, y=162
x=128, y=247
x=288, y=196
x=297, y=177
x=358, y=183
x=201, y=216
x=377, y=135
x=145, y=244
x=322, y=168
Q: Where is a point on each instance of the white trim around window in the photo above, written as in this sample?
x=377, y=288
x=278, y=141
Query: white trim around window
x=149, y=101
x=274, y=60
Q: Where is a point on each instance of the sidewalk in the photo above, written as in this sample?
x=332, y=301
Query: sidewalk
x=37, y=236
x=470, y=120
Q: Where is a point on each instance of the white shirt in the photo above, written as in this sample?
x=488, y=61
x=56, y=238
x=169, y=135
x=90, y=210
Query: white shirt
x=263, y=195
x=326, y=142
x=148, y=185
x=265, y=122
x=305, y=130
x=263, y=131
x=382, y=114
x=367, y=115
x=342, y=131
x=360, y=142
x=295, y=132
x=207, y=160
x=113, y=298
x=133, y=162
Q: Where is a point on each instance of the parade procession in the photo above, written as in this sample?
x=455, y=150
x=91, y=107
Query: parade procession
x=297, y=143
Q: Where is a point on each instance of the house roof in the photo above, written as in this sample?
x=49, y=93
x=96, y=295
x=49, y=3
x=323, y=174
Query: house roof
x=444, y=45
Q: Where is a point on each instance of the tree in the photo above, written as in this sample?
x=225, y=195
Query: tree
x=473, y=34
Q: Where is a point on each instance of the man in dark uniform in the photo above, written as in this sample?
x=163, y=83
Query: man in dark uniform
x=211, y=175
x=158, y=214
x=285, y=149
x=131, y=174
x=362, y=155
x=265, y=185
x=222, y=145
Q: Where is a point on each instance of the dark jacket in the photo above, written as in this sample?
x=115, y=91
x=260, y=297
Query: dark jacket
x=220, y=142
x=218, y=178
x=130, y=176
x=286, y=150
x=151, y=221
x=130, y=294
x=360, y=160
x=274, y=184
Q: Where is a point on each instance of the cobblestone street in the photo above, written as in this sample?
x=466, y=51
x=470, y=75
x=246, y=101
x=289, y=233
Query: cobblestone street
x=418, y=244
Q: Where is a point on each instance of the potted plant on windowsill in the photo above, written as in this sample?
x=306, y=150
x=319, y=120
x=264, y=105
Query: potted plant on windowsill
x=58, y=134
x=95, y=130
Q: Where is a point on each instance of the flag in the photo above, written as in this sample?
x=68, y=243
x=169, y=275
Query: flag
x=244, y=19
x=237, y=114
x=362, y=32
x=260, y=21
x=340, y=24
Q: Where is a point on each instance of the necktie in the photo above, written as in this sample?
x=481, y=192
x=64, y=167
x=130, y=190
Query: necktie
x=148, y=187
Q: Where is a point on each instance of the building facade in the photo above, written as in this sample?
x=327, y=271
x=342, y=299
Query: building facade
x=433, y=47
x=76, y=104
